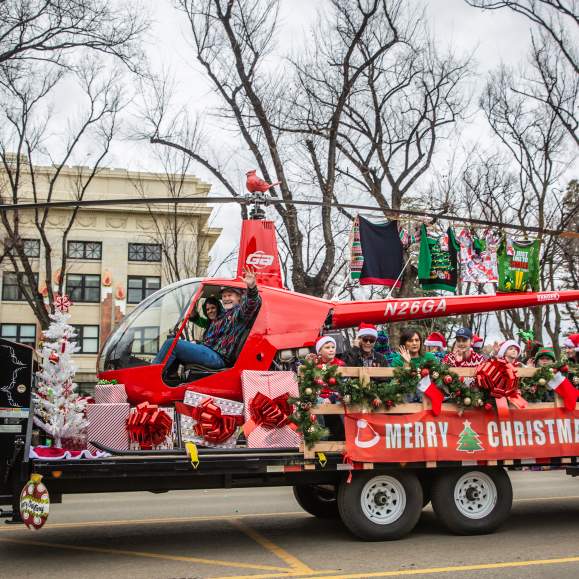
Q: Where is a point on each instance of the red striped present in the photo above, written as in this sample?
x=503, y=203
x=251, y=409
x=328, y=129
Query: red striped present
x=108, y=425
x=110, y=393
x=266, y=409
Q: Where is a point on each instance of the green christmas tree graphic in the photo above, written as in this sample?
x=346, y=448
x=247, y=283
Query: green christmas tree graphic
x=468, y=440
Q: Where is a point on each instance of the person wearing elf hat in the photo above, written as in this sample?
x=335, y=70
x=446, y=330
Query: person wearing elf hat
x=365, y=354
x=510, y=351
x=571, y=345
x=544, y=357
x=436, y=344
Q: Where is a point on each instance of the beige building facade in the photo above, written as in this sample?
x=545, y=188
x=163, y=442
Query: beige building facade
x=116, y=255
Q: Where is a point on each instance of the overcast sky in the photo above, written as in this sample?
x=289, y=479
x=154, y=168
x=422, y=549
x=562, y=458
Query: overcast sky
x=492, y=38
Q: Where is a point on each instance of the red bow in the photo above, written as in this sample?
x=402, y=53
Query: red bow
x=501, y=380
x=269, y=412
x=211, y=424
x=148, y=425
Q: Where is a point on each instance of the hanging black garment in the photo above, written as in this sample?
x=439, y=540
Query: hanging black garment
x=382, y=251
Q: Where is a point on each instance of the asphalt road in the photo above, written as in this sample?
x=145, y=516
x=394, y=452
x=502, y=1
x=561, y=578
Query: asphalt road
x=261, y=534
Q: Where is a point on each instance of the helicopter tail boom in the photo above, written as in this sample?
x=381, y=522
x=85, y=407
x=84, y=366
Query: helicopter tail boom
x=348, y=314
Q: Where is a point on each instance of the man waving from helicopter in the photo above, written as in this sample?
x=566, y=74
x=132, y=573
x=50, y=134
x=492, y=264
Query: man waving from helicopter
x=222, y=336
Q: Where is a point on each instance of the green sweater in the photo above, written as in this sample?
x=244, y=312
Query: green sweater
x=398, y=360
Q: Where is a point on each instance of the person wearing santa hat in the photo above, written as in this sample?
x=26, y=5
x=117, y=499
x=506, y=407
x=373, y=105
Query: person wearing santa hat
x=477, y=343
x=436, y=344
x=326, y=351
x=571, y=345
x=510, y=351
x=364, y=354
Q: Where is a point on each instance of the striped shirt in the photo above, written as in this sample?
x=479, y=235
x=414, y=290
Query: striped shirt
x=224, y=333
x=472, y=361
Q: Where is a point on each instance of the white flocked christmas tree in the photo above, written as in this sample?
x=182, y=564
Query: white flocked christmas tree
x=58, y=408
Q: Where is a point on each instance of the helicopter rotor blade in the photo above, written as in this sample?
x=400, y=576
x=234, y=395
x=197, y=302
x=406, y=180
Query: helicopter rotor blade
x=263, y=200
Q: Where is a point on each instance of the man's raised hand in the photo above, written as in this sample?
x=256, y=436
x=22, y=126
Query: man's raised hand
x=249, y=277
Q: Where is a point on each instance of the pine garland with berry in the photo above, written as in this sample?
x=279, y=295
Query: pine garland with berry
x=534, y=389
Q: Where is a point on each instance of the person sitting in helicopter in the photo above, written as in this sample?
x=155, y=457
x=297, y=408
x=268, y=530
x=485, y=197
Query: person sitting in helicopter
x=364, y=354
x=222, y=336
x=510, y=351
x=212, y=309
x=571, y=345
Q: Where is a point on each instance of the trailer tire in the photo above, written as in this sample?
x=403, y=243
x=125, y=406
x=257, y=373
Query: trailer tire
x=381, y=507
x=472, y=502
x=317, y=500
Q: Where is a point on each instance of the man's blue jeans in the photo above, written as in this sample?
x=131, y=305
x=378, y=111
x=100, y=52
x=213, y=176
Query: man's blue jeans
x=187, y=353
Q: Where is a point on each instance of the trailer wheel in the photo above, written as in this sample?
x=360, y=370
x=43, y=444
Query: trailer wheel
x=382, y=507
x=317, y=500
x=472, y=502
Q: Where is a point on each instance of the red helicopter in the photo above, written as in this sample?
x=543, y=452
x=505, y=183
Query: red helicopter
x=286, y=327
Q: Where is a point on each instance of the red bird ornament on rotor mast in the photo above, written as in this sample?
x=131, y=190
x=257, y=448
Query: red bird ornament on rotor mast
x=255, y=183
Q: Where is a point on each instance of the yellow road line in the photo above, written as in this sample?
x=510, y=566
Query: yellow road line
x=312, y=574
x=146, y=554
x=293, y=562
x=8, y=529
x=452, y=569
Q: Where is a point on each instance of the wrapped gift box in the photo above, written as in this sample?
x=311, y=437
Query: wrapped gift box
x=209, y=420
x=169, y=442
x=110, y=394
x=108, y=425
x=265, y=396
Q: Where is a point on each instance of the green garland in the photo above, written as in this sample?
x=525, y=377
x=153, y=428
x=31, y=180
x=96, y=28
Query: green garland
x=317, y=379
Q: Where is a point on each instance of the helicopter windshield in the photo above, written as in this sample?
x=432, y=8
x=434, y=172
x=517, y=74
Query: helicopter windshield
x=138, y=338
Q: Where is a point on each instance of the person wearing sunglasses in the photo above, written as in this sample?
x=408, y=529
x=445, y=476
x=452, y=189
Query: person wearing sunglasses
x=364, y=354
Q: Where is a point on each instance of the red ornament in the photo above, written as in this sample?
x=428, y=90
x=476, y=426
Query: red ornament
x=332, y=381
x=488, y=406
x=62, y=303
x=53, y=358
x=424, y=372
x=319, y=366
x=376, y=403
x=564, y=369
x=457, y=392
x=389, y=403
x=447, y=379
x=313, y=418
x=319, y=382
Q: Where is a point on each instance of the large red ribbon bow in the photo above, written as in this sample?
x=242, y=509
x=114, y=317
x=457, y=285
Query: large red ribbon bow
x=501, y=380
x=269, y=412
x=148, y=425
x=211, y=424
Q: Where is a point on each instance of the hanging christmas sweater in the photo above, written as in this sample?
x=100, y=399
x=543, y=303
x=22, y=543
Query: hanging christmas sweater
x=478, y=256
x=382, y=250
x=519, y=265
x=356, y=256
x=438, y=261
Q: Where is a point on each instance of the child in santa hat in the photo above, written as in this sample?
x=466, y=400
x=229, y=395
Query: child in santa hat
x=571, y=345
x=326, y=351
x=510, y=351
x=436, y=344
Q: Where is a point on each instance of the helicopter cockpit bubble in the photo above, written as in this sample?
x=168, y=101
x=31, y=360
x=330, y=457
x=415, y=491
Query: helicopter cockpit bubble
x=139, y=336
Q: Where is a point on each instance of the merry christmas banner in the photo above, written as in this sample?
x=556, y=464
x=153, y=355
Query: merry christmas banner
x=477, y=435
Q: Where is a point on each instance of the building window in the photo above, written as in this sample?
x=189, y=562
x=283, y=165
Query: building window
x=83, y=287
x=146, y=340
x=31, y=247
x=141, y=287
x=12, y=289
x=85, y=249
x=23, y=333
x=144, y=252
x=87, y=339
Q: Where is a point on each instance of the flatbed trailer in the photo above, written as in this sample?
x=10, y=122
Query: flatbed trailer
x=324, y=485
